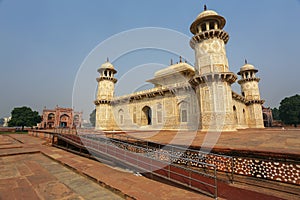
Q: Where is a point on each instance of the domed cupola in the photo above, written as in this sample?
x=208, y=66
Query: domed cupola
x=107, y=72
x=247, y=72
x=249, y=82
x=207, y=20
x=107, y=66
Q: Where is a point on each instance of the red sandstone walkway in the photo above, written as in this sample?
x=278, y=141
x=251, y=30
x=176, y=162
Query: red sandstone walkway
x=125, y=183
x=266, y=140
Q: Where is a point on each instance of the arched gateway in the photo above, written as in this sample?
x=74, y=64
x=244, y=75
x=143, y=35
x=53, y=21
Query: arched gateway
x=146, y=116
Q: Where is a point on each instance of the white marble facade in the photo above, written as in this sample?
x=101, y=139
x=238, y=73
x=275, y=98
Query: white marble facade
x=186, y=97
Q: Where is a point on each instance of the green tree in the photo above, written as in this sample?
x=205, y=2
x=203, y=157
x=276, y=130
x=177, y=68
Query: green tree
x=1, y=121
x=275, y=113
x=24, y=116
x=289, y=110
x=93, y=117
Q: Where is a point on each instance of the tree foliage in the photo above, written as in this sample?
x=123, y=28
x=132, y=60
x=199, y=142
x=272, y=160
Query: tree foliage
x=275, y=113
x=93, y=117
x=289, y=110
x=24, y=116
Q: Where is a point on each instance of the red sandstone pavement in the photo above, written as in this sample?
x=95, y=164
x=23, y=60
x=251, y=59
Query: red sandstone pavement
x=126, y=183
x=262, y=140
x=34, y=176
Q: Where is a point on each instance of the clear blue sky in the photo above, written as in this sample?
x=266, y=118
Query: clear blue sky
x=43, y=43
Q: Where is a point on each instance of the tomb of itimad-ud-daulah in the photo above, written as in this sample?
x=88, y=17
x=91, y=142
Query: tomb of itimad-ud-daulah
x=186, y=97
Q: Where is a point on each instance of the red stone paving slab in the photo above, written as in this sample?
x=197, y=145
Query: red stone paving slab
x=141, y=188
x=5, y=139
x=133, y=186
x=24, y=170
x=39, y=178
x=7, y=142
x=42, y=183
x=24, y=193
x=5, y=194
x=265, y=140
x=10, y=146
x=24, y=138
x=8, y=181
x=17, y=151
x=125, y=182
x=53, y=190
x=24, y=190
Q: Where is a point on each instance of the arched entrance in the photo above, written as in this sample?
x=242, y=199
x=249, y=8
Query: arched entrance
x=146, y=116
x=267, y=120
x=235, y=115
x=183, y=111
x=50, y=125
x=244, y=117
x=121, y=117
x=64, y=121
x=51, y=117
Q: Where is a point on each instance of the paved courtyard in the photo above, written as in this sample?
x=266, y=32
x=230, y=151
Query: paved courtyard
x=30, y=169
x=263, y=140
x=34, y=176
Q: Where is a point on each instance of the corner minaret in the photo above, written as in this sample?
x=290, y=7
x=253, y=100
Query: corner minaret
x=105, y=94
x=213, y=79
x=250, y=90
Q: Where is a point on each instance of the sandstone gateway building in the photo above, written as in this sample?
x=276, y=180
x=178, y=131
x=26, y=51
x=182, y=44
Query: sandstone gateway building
x=186, y=97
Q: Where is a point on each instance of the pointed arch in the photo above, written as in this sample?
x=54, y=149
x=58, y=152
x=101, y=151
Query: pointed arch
x=134, y=115
x=51, y=116
x=183, y=111
x=64, y=120
x=235, y=114
x=244, y=117
x=146, y=116
x=159, y=116
x=121, y=116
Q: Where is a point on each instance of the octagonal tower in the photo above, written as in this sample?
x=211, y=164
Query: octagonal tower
x=250, y=90
x=213, y=79
x=105, y=94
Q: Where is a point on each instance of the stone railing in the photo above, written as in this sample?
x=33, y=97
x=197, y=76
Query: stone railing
x=276, y=167
x=280, y=168
x=283, y=171
x=43, y=134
